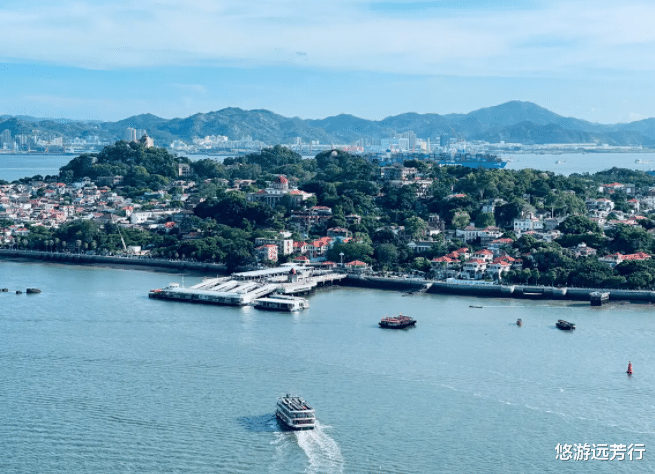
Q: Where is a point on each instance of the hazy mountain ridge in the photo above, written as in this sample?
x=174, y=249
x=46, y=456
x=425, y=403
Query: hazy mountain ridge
x=512, y=122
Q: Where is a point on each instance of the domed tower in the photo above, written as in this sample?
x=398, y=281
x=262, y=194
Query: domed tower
x=281, y=183
x=146, y=141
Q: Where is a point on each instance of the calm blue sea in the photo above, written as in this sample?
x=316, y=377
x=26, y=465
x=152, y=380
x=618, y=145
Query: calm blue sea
x=13, y=167
x=96, y=377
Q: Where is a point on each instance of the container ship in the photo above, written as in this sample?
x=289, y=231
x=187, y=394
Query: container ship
x=470, y=160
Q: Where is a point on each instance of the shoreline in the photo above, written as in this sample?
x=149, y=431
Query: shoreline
x=147, y=264
x=473, y=288
x=491, y=290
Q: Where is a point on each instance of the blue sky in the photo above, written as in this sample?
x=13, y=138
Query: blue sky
x=105, y=60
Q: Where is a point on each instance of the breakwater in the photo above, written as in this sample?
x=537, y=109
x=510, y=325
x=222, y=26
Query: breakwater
x=485, y=289
x=82, y=259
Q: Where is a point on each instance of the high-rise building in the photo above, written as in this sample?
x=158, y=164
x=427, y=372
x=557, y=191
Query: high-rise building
x=412, y=140
x=443, y=140
x=5, y=138
x=130, y=135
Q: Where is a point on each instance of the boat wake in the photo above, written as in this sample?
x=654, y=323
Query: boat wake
x=322, y=451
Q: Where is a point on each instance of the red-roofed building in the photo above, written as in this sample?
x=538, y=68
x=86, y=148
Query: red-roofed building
x=475, y=267
x=444, y=262
x=499, y=245
x=267, y=252
x=636, y=256
x=318, y=248
x=618, y=187
x=497, y=269
x=338, y=233
x=614, y=259
x=485, y=254
x=300, y=247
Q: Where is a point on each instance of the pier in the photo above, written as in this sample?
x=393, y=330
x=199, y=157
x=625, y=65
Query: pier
x=598, y=298
x=246, y=288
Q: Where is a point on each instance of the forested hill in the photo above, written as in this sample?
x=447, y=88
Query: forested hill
x=511, y=122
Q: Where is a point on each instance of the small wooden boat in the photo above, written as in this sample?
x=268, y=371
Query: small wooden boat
x=564, y=325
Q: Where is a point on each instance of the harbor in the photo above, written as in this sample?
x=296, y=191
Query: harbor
x=271, y=288
x=204, y=378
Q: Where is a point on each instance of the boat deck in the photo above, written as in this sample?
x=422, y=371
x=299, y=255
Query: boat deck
x=295, y=404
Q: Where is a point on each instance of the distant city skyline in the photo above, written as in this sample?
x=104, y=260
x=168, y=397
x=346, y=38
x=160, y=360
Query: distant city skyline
x=92, y=60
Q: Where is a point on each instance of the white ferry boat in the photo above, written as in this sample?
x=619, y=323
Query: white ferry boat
x=281, y=303
x=294, y=413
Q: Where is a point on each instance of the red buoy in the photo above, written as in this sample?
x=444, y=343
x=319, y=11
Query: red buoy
x=629, y=371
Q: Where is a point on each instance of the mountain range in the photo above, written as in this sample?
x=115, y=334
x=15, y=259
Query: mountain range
x=511, y=122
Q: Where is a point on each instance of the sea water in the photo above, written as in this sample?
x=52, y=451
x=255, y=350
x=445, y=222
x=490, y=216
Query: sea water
x=16, y=166
x=97, y=377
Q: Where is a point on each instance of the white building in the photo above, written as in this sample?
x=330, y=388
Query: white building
x=279, y=188
x=529, y=223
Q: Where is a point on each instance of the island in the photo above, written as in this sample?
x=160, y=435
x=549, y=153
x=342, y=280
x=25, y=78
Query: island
x=411, y=217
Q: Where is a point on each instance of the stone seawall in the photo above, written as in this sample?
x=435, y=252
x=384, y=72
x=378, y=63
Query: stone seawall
x=385, y=283
x=498, y=291
x=81, y=259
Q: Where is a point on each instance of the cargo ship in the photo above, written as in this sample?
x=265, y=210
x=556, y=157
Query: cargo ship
x=461, y=158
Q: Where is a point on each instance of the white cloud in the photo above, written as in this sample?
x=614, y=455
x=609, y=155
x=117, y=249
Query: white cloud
x=558, y=39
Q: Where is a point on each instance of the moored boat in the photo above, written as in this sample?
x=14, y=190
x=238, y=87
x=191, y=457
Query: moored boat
x=281, y=303
x=397, y=322
x=564, y=325
x=294, y=413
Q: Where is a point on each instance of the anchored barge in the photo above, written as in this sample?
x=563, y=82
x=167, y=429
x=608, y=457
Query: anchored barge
x=397, y=322
x=294, y=413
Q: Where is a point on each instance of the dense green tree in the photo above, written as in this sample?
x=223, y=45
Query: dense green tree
x=579, y=225
x=485, y=219
x=386, y=255
x=460, y=219
x=352, y=251
x=628, y=239
x=506, y=213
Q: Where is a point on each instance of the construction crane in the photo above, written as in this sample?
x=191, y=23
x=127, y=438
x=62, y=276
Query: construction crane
x=459, y=140
x=119, y=234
